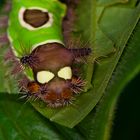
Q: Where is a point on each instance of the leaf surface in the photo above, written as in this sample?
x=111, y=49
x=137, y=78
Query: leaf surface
x=108, y=28
x=97, y=125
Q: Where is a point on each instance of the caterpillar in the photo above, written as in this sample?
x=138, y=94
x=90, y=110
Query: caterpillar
x=37, y=42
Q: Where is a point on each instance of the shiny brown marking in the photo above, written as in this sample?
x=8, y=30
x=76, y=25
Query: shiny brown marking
x=66, y=94
x=33, y=87
x=58, y=100
x=35, y=17
x=57, y=93
x=52, y=56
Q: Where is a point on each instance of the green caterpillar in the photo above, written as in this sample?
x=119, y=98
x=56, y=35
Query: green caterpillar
x=35, y=33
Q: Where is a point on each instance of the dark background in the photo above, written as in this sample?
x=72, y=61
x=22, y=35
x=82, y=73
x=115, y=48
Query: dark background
x=127, y=118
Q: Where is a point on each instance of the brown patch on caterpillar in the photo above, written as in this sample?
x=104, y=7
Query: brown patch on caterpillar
x=52, y=96
x=45, y=56
x=35, y=17
x=58, y=100
x=32, y=90
x=52, y=56
x=33, y=87
x=65, y=96
x=29, y=90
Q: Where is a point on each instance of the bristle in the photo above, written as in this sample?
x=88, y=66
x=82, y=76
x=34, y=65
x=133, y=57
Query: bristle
x=23, y=95
x=77, y=85
x=30, y=60
x=44, y=89
x=17, y=69
x=27, y=92
x=23, y=83
x=55, y=100
x=80, y=52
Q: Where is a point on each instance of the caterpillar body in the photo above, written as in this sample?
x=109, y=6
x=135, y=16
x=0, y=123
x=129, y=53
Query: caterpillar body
x=35, y=33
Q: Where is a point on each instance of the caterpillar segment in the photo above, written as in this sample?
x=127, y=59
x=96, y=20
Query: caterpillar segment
x=35, y=33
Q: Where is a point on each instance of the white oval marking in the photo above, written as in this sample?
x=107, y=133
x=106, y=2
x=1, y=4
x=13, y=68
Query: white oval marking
x=44, y=76
x=65, y=73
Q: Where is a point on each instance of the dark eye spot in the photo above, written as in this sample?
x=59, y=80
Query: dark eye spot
x=29, y=60
x=25, y=60
x=35, y=17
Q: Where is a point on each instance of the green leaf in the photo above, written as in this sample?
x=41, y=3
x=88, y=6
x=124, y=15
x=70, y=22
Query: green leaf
x=97, y=125
x=19, y=121
x=114, y=32
x=110, y=2
x=108, y=28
